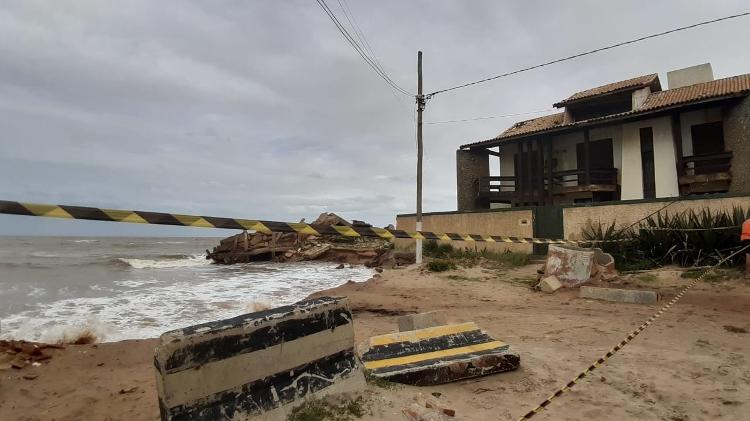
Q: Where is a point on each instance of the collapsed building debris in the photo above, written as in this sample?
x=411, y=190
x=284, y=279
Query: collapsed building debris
x=573, y=266
x=294, y=247
x=20, y=354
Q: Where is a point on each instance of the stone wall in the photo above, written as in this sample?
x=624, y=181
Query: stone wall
x=737, y=140
x=516, y=223
x=576, y=218
x=470, y=165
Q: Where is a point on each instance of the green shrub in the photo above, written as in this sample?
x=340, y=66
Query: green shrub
x=440, y=265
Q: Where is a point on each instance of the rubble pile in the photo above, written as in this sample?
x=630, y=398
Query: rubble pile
x=294, y=247
x=19, y=354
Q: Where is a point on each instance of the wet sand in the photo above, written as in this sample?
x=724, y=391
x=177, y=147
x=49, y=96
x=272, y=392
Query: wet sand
x=687, y=366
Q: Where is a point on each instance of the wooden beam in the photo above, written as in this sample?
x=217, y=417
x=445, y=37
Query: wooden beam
x=549, y=173
x=677, y=139
x=540, y=171
x=493, y=153
x=586, y=159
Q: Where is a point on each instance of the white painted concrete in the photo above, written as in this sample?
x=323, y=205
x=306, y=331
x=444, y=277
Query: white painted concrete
x=665, y=169
x=692, y=118
x=639, y=97
x=690, y=76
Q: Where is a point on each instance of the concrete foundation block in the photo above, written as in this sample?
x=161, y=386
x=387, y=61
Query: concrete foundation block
x=437, y=355
x=259, y=365
x=633, y=296
x=550, y=284
x=422, y=320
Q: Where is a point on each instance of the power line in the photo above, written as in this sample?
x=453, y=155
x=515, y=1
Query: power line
x=609, y=47
x=364, y=42
x=489, y=117
x=359, y=49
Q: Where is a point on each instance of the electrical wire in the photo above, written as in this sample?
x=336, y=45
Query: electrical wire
x=359, y=49
x=489, y=117
x=609, y=47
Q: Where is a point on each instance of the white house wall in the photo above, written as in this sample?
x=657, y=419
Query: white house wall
x=692, y=118
x=665, y=173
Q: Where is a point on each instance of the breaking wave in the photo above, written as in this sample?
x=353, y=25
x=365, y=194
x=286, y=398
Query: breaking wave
x=167, y=263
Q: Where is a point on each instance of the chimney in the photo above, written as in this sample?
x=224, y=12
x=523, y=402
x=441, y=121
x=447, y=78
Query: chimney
x=690, y=76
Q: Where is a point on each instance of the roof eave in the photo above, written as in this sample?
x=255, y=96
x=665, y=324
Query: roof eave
x=599, y=121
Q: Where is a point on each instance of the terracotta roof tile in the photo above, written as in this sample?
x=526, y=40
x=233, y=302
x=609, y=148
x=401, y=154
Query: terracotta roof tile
x=533, y=125
x=735, y=85
x=692, y=93
x=634, y=83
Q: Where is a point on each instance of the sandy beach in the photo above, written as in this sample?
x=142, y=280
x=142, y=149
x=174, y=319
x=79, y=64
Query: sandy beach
x=687, y=366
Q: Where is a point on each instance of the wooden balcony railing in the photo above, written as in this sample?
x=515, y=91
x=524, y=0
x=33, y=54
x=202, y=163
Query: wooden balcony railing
x=707, y=163
x=508, y=187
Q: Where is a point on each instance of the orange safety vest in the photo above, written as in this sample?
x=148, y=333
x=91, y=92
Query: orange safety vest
x=745, y=231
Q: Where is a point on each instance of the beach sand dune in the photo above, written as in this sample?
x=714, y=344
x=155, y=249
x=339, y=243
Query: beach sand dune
x=692, y=364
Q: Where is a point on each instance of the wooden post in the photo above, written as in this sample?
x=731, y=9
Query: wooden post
x=521, y=171
x=540, y=171
x=550, y=196
x=420, y=108
x=586, y=159
x=677, y=139
x=530, y=171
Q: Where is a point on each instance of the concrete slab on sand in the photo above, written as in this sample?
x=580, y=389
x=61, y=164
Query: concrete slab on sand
x=633, y=296
x=259, y=365
x=437, y=355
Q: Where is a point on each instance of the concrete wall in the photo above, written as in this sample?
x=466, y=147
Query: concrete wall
x=259, y=365
x=470, y=165
x=690, y=76
x=575, y=219
x=737, y=140
x=665, y=167
x=692, y=118
x=516, y=223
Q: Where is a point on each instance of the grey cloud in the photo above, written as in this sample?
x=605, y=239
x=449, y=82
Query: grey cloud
x=261, y=110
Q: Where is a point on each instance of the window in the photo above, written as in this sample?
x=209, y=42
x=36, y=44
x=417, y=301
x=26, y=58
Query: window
x=707, y=139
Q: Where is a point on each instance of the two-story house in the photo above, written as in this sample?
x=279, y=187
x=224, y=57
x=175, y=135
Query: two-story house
x=625, y=140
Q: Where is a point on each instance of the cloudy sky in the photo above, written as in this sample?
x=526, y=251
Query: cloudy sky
x=260, y=109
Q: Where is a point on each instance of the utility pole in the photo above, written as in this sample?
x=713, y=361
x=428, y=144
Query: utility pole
x=420, y=107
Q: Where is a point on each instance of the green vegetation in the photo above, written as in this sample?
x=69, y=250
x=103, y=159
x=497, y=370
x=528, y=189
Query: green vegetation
x=440, y=265
x=690, y=238
x=319, y=410
x=467, y=257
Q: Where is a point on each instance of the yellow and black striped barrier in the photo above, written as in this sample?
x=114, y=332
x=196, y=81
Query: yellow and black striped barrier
x=625, y=341
x=159, y=218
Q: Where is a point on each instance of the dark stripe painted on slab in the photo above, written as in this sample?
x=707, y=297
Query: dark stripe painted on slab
x=158, y=218
x=403, y=349
x=454, y=236
x=446, y=370
x=400, y=234
x=227, y=346
x=258, y=396
x=79, y=212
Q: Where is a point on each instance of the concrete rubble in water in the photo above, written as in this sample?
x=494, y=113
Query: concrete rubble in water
x=295, y=247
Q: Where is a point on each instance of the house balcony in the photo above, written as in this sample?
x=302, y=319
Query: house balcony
x=705, y=173
x=567, y=186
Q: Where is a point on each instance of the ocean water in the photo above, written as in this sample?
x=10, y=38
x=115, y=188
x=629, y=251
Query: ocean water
x=53, y=288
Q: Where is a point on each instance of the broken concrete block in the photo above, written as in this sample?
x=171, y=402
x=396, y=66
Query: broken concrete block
x=574, y=266
x=258, y=365
x=437, y=355
x=633, y=296
x=421, y=320
x=550, y=284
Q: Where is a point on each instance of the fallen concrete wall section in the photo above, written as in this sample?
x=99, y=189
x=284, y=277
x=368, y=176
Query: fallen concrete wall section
x=258, y=365
x=633, y=296
x=437, y=355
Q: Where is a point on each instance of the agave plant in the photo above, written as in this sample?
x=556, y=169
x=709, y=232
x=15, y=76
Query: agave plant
x=690, y=238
